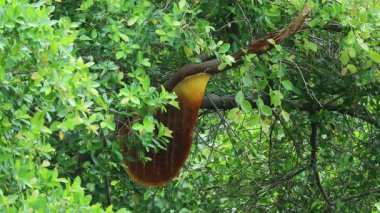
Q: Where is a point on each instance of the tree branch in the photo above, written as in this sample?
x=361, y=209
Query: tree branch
x=365, y=116
x=225, y=103
x=328, y=27
x=360, y=196
x=258, y=47
x=313, y=161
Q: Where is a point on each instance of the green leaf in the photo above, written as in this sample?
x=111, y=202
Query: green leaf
x=145, y=62
x=222, y=66
x=146, y=83
x=254, y=119
x=135, y=100
x=344, y=57
x=148, y=124
x=38, y=120
x=2, y=73
x=230, y=59
x=375, y=56
x=55, y=126
x=352, y=53
x=239, y=97
x=137, y=126
x=176, y=23
x=160, y=32
x=276, y=97
x=182, y=4
x=124, y=37
x=351, y=68
x=85, y=38
x=247, y=81
x=312, y=46
x=246, y=106
x=132, y=21
x=235, y=115
x=350, y=38
x=146, y=195
x=259, y=102
x=120, y=54
x=285, y=115
x=315, y=22
x=262, y=84
x=287, y=85
x=266, y=110
x=377, y=205
x=224, y=48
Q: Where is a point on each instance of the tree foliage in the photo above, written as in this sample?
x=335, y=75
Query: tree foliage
x=295, y=128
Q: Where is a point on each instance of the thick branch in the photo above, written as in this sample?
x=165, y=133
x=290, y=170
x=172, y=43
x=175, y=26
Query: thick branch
x=328, y=27
x=222, y=102
x=365, y=116
x=259, y=47
x=225, y=103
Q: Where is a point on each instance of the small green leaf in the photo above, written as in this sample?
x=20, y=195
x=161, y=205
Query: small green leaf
x=375, y=56
x=276, y=97
x=146, y=83
x=344, y=57
x=312, y=46
x=351, y=68
x=132, y=21
x=259, y=102
x=135, y=100
x=224, y=48
x=222, y=66
x=145, y=62
x=120, y=54
x=92, y=118
x=254, y=119
x=266, y=110
x=350, y=38
x=247, y=81
x=235, y=115
x=314, y=22
x=230, y=59
x=38, y=120
x=160, y=32
x=176, y=23
x=352, y=53
x=182, y=4
x=287, y=84
x=246, y=106
x=2, y=73
x=124, y=37
x=137, y=126
x=285, y=115
x=239, y=97
x=262, y=84
x=146, y=195
x=85, y=38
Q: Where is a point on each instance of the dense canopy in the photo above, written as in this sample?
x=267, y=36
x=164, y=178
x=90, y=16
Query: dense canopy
x=290, y=120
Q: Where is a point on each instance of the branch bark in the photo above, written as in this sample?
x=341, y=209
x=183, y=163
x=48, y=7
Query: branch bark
x=225, y=103
x=313, y=161
x=258, y=47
